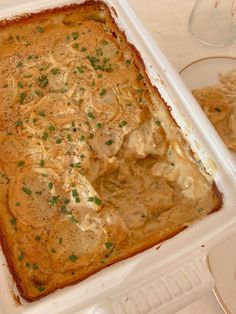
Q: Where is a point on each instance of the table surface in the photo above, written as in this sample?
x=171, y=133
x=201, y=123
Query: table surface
x=167, y=20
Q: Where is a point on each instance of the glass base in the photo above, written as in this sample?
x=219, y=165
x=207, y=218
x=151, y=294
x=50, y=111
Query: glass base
x=212, y=28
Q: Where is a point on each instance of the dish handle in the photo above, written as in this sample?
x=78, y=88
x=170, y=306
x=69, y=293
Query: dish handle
x=163, y=292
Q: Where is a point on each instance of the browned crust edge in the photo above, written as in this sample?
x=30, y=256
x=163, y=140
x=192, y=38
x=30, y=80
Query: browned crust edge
x=3, y=239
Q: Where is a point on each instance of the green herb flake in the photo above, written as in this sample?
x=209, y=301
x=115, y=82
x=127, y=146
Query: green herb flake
x=17, y=204
x=218, y=109
x=39, y=29
x=21, y=256
x=26, y=190
x=50, y=185
x=45, y=135
x=69, y=139
x=75, y=45
x=20, y=163
x=77, y=199
x=27, y=265
x=13, y=221
x=22, y=97
x=41, y=289
x=91, y=199
x=122, y=123
x=42, y=114
x=91, y=115
x=41, y=163
x=37, y=238
x=109, y=142
x=19, y=64
x=139, y=77
x=53, y=200
x=20, y=85
x=99, y=125
x=78, y=165
x=73, y=258
x=58, y=141
x=109, y=245
x=75, y=35
x=42, y=81
x=97, y=201
x=53, y=250
x=60, y=240
x=18, y=123
x=51, y=128
x=74, y=193
x=55, y=71
x=80, y=69
x=66, y=201
x=102, y=92
x=158, y=122
x=81, y=139
x=83, y=49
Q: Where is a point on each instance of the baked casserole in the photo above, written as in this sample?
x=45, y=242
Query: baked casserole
x=93, y=168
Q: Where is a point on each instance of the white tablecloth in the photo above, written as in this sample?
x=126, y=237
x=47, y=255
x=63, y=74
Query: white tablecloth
x=167, y=21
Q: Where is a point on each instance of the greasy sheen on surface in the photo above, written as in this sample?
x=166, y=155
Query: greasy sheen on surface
x=93, y=168
x=219, y=104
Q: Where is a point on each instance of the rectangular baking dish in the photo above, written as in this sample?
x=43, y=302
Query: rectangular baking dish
x=158, y=280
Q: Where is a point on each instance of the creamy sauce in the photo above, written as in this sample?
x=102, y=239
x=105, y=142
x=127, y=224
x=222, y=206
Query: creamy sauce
x=93, y=168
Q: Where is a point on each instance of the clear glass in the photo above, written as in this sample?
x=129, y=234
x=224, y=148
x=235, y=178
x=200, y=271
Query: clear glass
x=213, y=22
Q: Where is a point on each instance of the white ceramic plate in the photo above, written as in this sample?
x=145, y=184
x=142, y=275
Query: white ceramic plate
x=205, y=72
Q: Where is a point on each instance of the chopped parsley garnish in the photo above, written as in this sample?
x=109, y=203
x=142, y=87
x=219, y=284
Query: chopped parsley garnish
x=19, y=64
x=83, y=49
x=51, y=128
x=102, y=92
x=78, y=165
x=139, y=77
x=66, y=201
x=128, y=61
x=109, y=142
x=75, y=45
x=26, y=190
x=109, y=245
x=97, y=201
x=39, y=29
x=58, y=141
x=42, y=114
x=75, y=35
x=45, y=135
x=91, y=199
x=27, y=265
x=13, y=221
x=41, y=163
x=81, y=139
x=122, y=123
x=69, y=139
x=91, y=115
x=99, y=125
x=21, y=256
x=73, y=258
x=20, y=163
x=42, y=81
x=17, y=204
x=20, y=84
x=50, y=185
x=80, y=69
x=55, y=71
x=74, y=193
x=37, y=238
x=35, y=266
x=41, y=289
x=77, y=199
x=158, y=122
x=22, y=97
x=53, y=200
x=218, y=109
x=18, y=123
x=60, y=240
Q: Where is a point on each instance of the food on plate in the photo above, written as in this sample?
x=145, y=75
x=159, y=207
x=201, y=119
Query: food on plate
x=93, y=168
x=219, y=104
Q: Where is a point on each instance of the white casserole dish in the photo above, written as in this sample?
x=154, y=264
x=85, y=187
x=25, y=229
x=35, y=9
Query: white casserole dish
x=155, y=281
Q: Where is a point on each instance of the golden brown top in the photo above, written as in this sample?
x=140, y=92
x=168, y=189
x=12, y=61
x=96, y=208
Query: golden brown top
x=93, y=167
